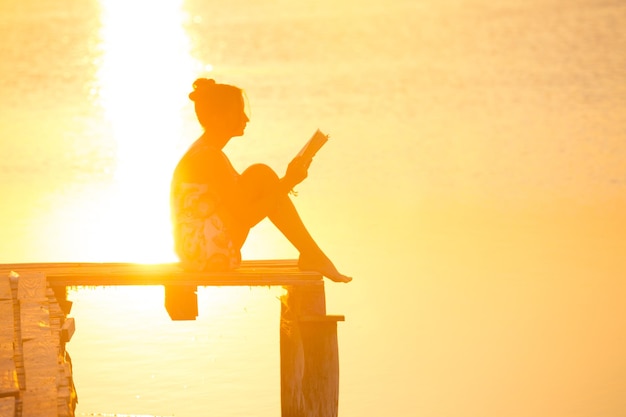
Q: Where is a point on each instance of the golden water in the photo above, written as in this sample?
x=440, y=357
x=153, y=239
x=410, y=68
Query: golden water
x=474, y=186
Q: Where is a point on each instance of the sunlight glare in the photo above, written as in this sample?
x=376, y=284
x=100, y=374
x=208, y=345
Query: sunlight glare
x=145, y=72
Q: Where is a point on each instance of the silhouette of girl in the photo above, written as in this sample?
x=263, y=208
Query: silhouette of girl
x=214, y=207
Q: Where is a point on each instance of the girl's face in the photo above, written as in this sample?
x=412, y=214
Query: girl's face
x=231, y=122
x=239, y=118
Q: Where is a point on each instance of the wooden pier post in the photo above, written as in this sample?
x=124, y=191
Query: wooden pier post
x=309, y=354
x=35, y=370
x=9, y=385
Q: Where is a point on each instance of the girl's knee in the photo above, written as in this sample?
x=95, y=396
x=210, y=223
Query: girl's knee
x=259, y=177
x=260, y=172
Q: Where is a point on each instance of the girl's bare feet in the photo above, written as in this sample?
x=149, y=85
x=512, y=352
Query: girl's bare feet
x=320, y=263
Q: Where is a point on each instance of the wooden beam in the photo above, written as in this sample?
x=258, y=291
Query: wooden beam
x=67, y=330
x=322, y=319
x=251, y=273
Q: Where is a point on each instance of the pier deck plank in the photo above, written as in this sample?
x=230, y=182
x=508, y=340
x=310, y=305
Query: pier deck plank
x=250, y=273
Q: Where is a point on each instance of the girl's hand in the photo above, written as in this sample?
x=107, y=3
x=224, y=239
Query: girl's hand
x=297, y=171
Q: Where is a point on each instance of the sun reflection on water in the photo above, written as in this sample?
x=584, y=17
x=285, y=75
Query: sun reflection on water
x=144, y=71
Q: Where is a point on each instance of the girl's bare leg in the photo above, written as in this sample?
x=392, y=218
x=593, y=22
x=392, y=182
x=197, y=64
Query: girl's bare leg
x=259, y=185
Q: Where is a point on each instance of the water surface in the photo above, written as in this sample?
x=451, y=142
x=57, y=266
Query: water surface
x=474, y=186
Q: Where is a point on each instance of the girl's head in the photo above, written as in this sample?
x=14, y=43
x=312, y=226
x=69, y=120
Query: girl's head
x=219, y=107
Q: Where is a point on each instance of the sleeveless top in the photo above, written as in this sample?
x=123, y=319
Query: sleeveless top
x=201, y=239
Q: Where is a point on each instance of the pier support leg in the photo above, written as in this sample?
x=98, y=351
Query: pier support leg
x=35, y=369
x=181, y=302
x=309, y=354
x=60, y=292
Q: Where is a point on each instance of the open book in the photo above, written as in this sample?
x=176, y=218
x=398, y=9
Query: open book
x=313, y=145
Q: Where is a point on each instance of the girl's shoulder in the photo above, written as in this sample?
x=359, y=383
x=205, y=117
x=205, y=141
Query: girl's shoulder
x=201, y=153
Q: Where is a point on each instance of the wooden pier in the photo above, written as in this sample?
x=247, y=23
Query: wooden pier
x=36, y=371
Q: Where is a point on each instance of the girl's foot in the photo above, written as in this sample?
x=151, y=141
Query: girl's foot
x=323, y=265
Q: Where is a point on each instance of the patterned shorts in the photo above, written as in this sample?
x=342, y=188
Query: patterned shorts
x=201, y=240
x=204, y=244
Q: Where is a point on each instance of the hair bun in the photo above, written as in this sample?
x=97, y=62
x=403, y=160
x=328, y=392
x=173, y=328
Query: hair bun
x=201, y=87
